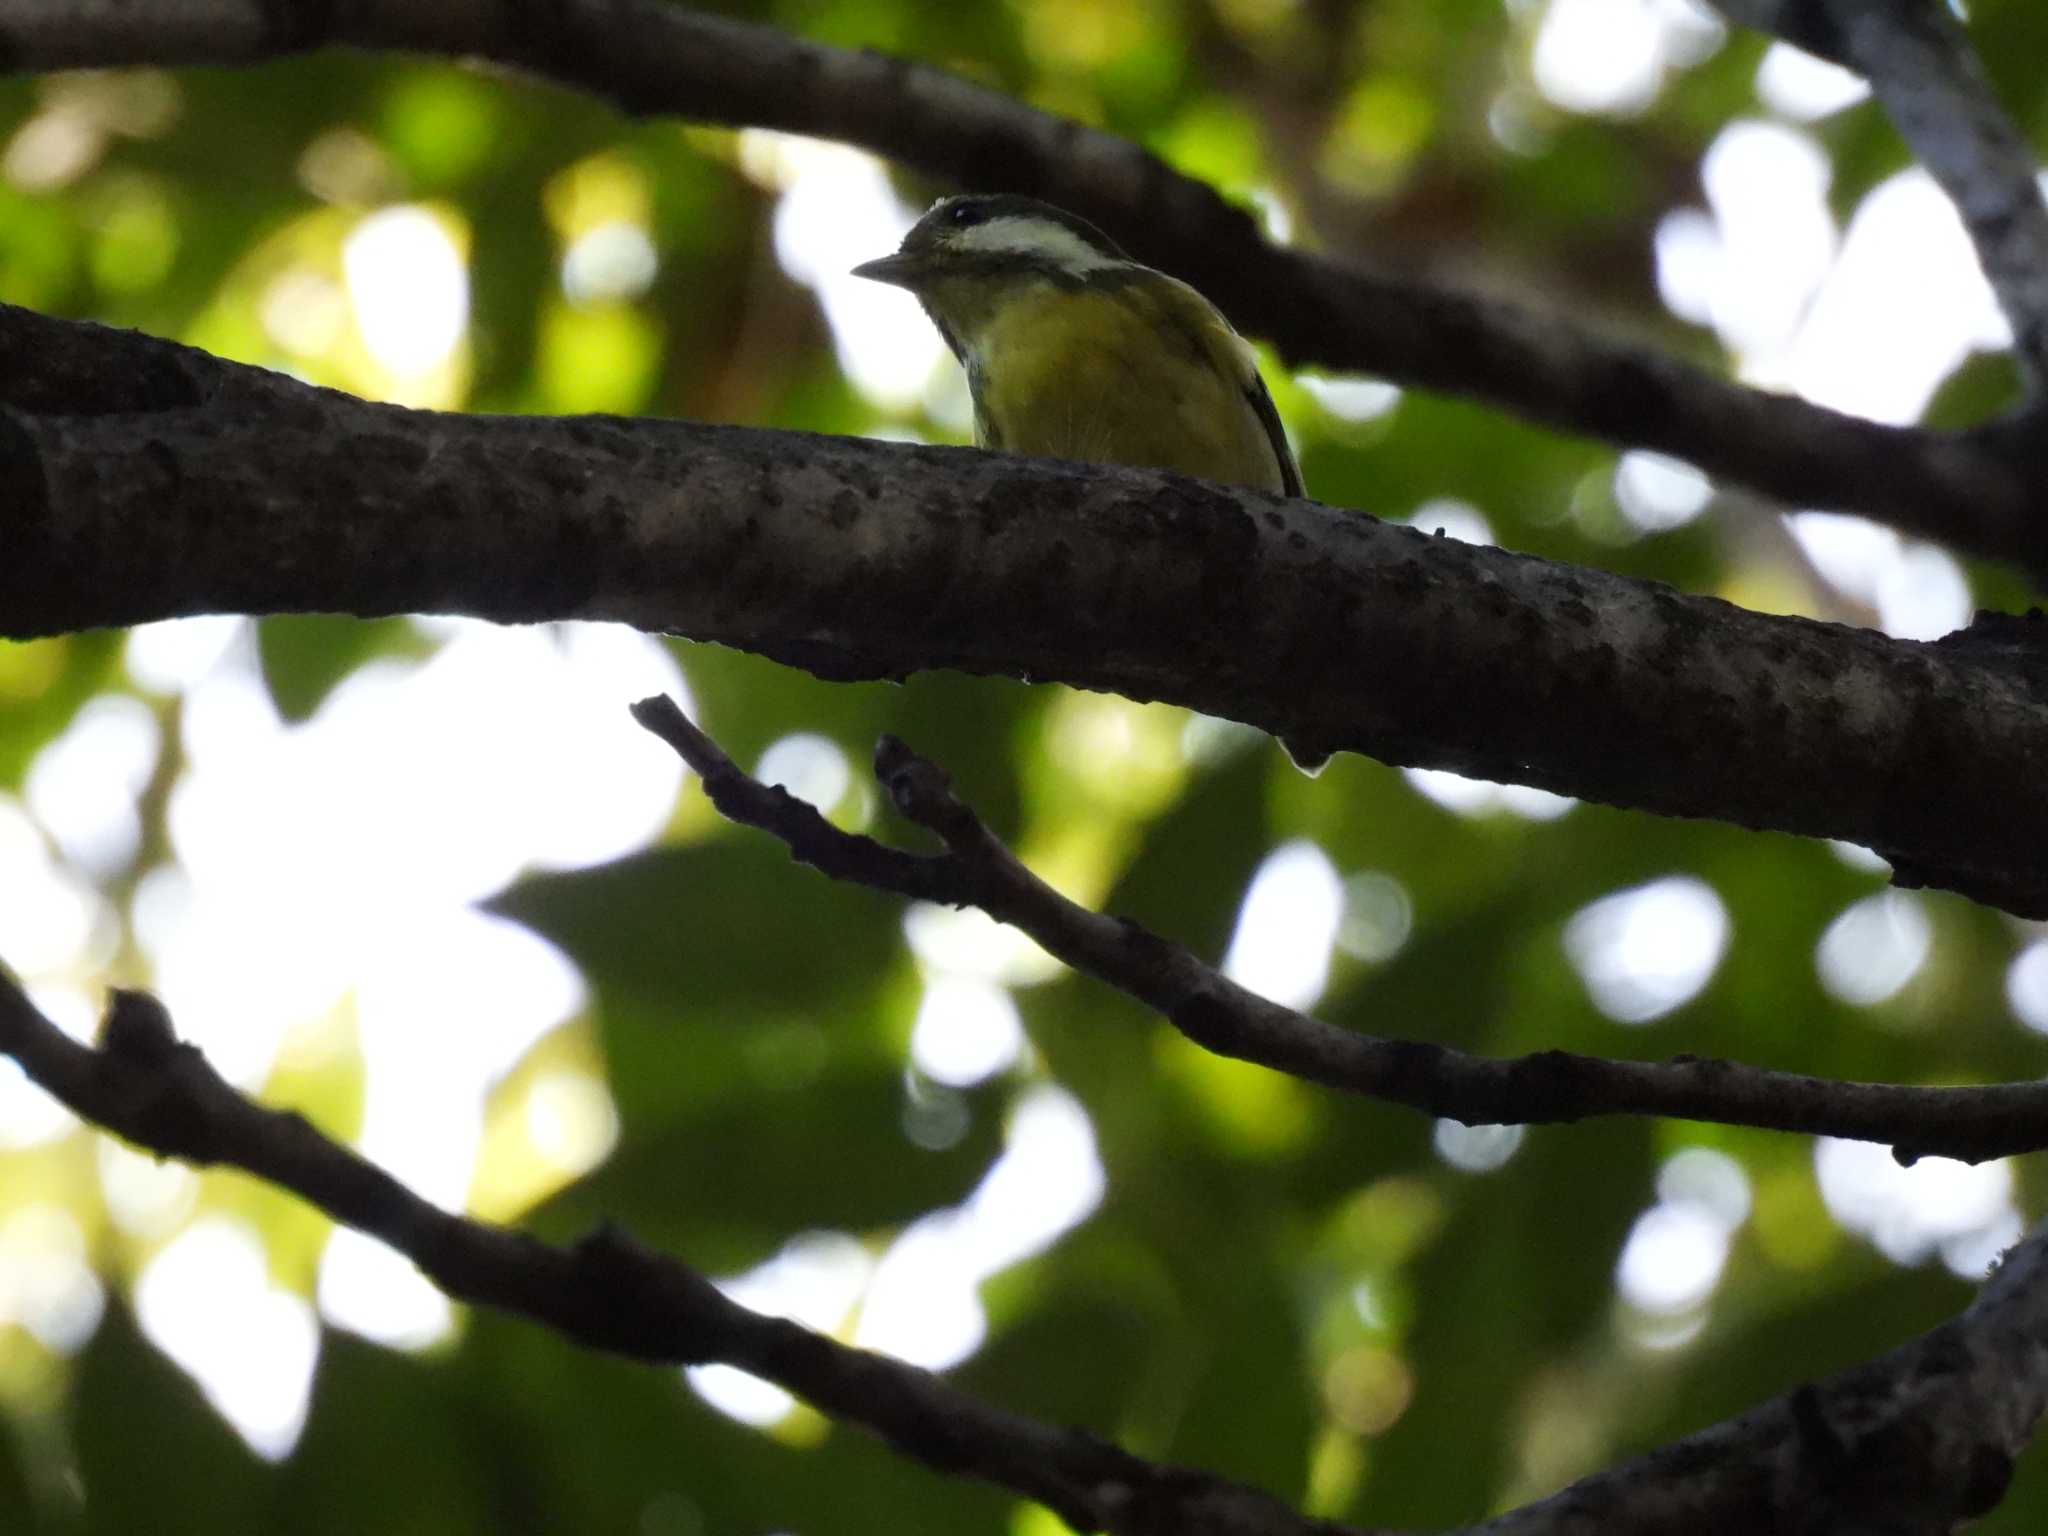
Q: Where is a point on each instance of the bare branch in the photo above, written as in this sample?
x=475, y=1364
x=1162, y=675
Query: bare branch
x=1926, y=1434
x=1919, y=1442
x=141, y=480
x=1807, y=24
x=1923, y=70
x=608, y=1292
x=977, y=870
x=1974, y=491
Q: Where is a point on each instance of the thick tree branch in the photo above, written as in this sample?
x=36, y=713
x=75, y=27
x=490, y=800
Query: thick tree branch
x=1926, y=1435
x=1923, y=70
x=1975, y=491
x=1218, y=1014
x=141, y=480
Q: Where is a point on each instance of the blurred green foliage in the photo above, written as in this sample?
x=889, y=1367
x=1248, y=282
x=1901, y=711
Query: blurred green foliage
x=1278, y=1285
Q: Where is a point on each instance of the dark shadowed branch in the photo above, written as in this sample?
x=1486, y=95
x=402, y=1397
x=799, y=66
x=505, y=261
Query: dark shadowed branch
x=977, y=870
x=1974, y=491
x=1926, y=1435
x=1807, y=24
x=141, y=480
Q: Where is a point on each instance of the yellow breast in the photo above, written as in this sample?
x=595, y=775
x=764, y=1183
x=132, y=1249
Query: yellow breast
x=1128, y=374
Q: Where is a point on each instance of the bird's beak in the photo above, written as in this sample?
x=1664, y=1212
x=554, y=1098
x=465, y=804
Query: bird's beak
x=902, y=269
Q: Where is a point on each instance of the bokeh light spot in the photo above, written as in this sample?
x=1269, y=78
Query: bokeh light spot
x=1645, y=951
x=207, y=1301
x=46, y=1286
x=1874, y=947
x=1963, y=1211
x=1476, y=1148
x=1291, y=911
x=967, y=1030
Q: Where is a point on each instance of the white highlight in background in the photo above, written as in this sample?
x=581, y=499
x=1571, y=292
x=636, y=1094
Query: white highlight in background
x=1645, y=951
x=1482, y=797
x=506, y=749
x=147, y=1198
x=206, y=1300
x=1795, y=84
x=1962, y=1210
x=612, y=262
x=46, y=1286
x=838, y=210
x=409, y=288
x=1672, y=1259
x=967, y=1030
x=1874, y=947
x=171, y=655
x=1862, y=349
x=1350, y=399
x=1476, y=1148
x=815, y=1280
x=50, y=920
x=442, y=1013
x=966, y=941
x=1657, y=493
x=372, y=1290
x=1676, y=1250
x=83, y=786
x=809, y=766
x=920, y=1302
x=1450, y=518
x=1713, y=1180
x=1918, y=590
x=922, y=1306
x=29, y=1116
x=1281, y=949
x=2026, y=986
x=1775, y=241
x=1610, y=56
x=1379, y=916
x=571, y=1121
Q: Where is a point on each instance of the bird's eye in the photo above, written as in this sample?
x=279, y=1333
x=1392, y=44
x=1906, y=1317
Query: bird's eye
x=965, y=215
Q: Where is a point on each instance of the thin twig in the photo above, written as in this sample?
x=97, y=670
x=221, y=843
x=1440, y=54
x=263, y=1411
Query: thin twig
x=1970, y=1124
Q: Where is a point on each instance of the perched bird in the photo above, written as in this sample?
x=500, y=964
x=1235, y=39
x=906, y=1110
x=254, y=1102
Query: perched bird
x=1075, y=351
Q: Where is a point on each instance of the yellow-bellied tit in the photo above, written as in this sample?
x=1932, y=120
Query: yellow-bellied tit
x=1075, y=351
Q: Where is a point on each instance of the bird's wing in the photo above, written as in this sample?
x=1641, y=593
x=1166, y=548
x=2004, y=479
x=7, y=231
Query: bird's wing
x=1269, y=417
x=1233, y=356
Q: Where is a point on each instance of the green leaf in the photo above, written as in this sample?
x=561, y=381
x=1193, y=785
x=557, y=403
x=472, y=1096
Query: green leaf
x=728, y=1185
x=1986, y=385
x=153, y=1455
x=305, y=655
x=43, y=683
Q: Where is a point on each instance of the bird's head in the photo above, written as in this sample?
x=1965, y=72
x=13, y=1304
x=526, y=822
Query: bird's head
x=983, y=240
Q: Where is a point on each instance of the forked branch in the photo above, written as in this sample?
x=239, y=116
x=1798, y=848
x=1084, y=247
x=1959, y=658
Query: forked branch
x=975, y=869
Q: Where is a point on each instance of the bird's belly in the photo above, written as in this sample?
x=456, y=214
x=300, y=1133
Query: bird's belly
x=1094, y=381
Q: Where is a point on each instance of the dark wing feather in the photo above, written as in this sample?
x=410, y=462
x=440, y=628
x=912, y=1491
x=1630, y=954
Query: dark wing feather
x=1269, y=417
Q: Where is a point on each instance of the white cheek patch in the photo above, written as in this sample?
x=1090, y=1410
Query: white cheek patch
x=1054, y=244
